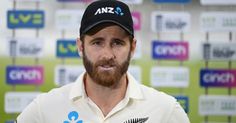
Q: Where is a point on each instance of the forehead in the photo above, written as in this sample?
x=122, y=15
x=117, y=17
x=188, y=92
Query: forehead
x=107, y=28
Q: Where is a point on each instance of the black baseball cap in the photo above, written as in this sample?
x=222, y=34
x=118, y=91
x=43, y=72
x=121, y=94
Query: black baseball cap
x=103, y=11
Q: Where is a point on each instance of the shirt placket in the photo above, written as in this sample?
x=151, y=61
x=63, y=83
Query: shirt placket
x=122, y=104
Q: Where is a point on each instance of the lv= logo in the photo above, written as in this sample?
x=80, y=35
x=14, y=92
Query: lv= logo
x=25, y=19
x=35, y=18
x=68, y=48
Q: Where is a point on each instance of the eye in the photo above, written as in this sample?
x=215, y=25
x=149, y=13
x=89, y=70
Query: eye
x=96, y=43
x=118, y=43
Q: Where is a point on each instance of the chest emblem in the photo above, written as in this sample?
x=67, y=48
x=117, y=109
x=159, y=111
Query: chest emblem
x=137, y=120
x=73, y=117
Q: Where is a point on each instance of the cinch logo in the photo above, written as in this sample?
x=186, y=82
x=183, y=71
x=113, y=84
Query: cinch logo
x=217, y=78
x=109, y=10
x=24, y=75
x=25, y=19
x=170, y=50
x=67, y=48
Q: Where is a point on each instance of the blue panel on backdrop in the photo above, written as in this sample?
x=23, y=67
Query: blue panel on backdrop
x=184, y=102
x=25, y=19
x=67, y=48
x=171, y=1
x=10, y=121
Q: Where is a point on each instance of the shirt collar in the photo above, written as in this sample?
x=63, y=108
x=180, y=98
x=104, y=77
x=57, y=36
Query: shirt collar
x=77, y=90
x=133, y=89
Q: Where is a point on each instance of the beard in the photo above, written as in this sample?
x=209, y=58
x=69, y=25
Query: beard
x=109, y=78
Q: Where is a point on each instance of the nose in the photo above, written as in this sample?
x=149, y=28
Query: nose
x=107, y=53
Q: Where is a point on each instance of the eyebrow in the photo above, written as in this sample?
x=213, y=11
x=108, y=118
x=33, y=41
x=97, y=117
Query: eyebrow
x=97, y=38
x=101, y=38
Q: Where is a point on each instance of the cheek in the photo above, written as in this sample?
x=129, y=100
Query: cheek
x=122, y=55
x=93, y=55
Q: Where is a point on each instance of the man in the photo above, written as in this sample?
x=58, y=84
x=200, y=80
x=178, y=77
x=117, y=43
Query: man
x=105, y=93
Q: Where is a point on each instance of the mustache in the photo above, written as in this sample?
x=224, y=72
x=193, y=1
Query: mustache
x=110, y=62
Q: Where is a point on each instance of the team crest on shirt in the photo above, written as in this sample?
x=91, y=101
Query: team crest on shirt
x=73, y=117
x=137, y=120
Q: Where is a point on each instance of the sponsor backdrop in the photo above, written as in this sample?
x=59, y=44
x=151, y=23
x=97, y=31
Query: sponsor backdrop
x=186, y=48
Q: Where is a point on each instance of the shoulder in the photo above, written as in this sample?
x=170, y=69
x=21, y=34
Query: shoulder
x=158, y=98
x=38, y=110
x=56, y=94
x=150, y=92
x=157, y=102
x=166, y=106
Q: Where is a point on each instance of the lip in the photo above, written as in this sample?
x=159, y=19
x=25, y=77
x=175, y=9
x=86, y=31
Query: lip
x=106, y=67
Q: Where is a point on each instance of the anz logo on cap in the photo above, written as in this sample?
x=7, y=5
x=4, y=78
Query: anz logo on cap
x=109, y=10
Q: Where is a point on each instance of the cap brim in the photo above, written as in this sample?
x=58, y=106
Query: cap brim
x=106, y=21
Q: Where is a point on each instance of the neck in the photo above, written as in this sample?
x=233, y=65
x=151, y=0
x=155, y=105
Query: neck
x=106, y=98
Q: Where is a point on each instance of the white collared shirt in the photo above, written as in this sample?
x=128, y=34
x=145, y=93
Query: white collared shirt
x=70, y=104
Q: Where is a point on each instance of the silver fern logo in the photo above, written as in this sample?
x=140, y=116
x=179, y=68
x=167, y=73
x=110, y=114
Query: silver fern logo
x=137, y=120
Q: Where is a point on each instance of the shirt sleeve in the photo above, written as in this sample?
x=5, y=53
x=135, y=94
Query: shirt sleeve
x=178, y=115
x=31, y=114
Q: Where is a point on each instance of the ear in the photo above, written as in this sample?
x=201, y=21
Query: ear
x=79, y=47
x=133, y=47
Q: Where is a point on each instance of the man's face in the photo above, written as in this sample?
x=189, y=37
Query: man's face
x=106, y=54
